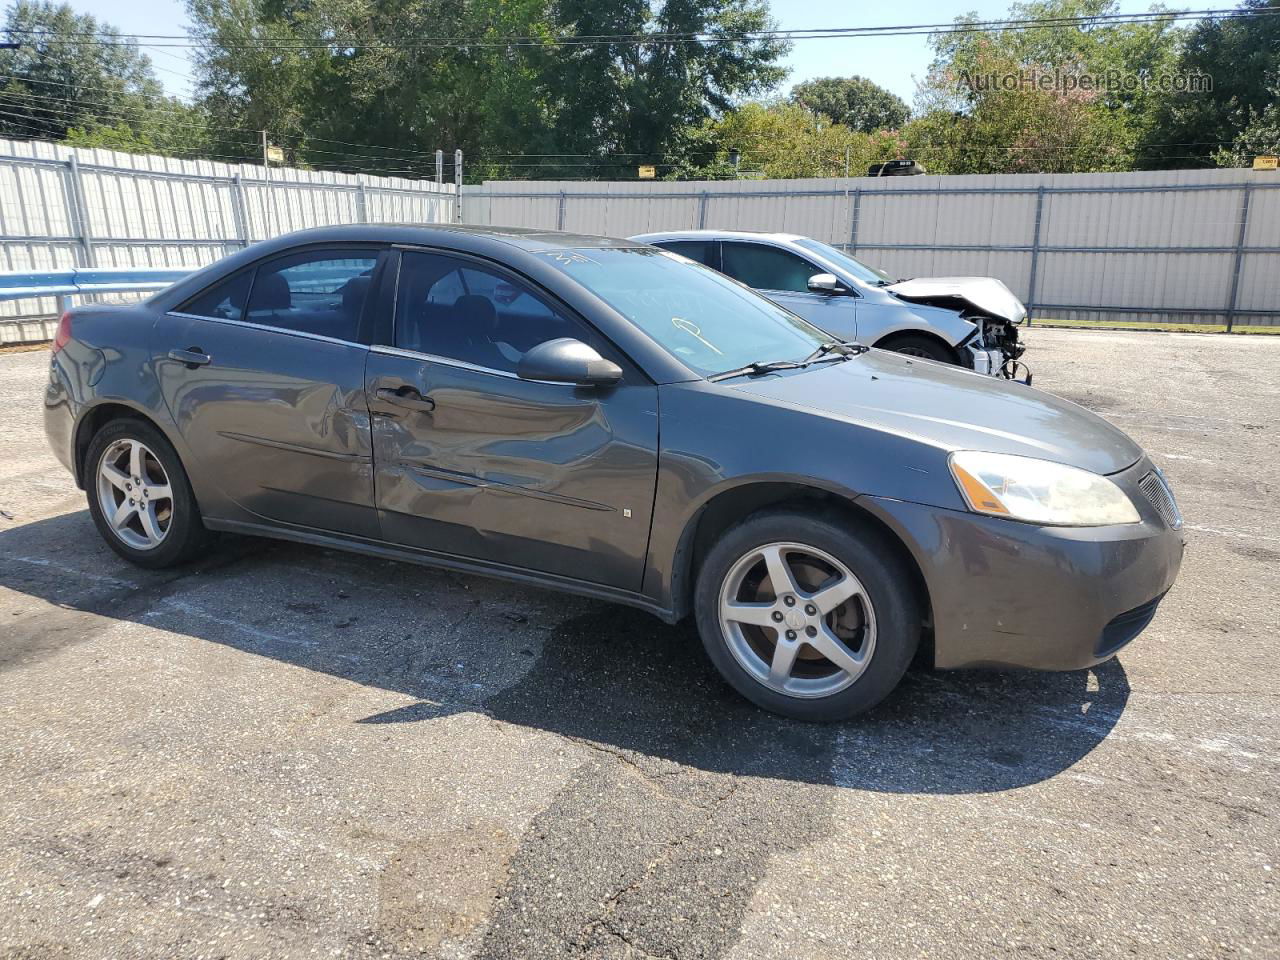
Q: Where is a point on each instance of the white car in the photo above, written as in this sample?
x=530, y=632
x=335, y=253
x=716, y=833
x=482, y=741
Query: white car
x=969, y=321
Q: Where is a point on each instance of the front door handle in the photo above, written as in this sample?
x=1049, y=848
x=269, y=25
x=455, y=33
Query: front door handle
x=407, y=397
x=193, y=357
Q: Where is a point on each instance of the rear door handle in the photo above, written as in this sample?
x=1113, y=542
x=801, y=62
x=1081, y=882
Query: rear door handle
x=192, y=357
x=406, y=397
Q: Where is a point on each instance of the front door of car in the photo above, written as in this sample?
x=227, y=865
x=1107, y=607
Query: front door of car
x=473, y=461
x=263, y=374
x=783, y=277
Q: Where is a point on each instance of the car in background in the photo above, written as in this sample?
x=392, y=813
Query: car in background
x=609, y=419
x=968, y=321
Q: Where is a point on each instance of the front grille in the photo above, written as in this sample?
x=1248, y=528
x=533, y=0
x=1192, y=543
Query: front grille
x=1156, y=489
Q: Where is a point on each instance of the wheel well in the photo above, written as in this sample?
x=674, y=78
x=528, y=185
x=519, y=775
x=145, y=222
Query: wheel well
x=887, y=342
x=726, y=509
x=95, y=420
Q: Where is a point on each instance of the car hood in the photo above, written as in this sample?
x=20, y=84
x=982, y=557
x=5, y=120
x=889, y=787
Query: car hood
x=950, y=408
x=985, y=294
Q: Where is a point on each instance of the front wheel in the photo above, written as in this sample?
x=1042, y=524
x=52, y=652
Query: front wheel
x=916, y=345
x=811, y=617
x=139, y=496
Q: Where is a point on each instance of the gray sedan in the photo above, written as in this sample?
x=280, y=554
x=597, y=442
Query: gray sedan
x=606, y=418
x=969, y=321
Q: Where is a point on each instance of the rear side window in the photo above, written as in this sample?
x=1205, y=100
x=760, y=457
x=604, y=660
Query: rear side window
x=223, y=301
x=703, y=251
x=767, y=268
x=320, y=291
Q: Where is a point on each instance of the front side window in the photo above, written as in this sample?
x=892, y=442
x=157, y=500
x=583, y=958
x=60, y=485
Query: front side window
x=694, y=313
x=460, y=310
x=767, y=268
x=320, y=291
x=223, y=301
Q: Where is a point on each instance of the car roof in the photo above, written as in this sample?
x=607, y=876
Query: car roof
x=716, y=235
x=525, y=238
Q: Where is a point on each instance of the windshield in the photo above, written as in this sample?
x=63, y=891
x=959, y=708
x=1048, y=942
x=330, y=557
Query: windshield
x=701, y=317
x=859, y=269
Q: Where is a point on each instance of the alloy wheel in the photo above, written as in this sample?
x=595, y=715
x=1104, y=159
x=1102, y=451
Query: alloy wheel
x=135, y=494
x=797, y=620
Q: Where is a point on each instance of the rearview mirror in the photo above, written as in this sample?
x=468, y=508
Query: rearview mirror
x=566, y=360
x=827, y=283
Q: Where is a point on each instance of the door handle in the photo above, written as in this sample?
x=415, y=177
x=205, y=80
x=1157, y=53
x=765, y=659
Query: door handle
x=193, y=357
x=407, y=397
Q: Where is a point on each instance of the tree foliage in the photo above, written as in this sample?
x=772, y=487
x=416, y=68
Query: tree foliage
x=541, y=105
x=854, y=102
x=1242, y=55
x=1037, y=100
x=55, y=83
x=783, y=139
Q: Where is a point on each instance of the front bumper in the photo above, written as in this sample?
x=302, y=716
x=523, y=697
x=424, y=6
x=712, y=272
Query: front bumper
x=1011, y=594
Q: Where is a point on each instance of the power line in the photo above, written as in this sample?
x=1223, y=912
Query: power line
x=653, y=38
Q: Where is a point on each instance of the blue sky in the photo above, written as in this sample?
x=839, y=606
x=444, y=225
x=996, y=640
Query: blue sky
x=892, y=62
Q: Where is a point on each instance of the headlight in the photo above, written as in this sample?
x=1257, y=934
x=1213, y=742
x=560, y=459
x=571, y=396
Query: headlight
x=1038, y=491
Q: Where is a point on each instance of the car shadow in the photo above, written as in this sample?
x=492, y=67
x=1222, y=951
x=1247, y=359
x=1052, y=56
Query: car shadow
x=601, y=674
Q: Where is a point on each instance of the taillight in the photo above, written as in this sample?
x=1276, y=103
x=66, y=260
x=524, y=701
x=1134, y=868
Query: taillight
x=63, y=336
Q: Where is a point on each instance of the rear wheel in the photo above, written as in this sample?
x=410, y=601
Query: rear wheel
x=139, y=496
x=917, y=345
x=810, y=617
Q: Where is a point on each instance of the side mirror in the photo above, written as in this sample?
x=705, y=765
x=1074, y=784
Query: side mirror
x=827, y=283
x=566, y=360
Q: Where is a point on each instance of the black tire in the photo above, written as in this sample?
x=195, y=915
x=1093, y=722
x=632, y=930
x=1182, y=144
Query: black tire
x=186, y=536
x=918, y=345
x=889, y=584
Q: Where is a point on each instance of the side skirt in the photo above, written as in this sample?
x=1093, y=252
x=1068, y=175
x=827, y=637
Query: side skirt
x=425, y=558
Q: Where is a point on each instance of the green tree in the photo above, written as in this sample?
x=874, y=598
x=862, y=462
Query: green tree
x=783, y=140
x=1260, y=136
x=1040, y=99
x=855, y=102
x=56, y=82
x=514, y=89
x=1242, y=57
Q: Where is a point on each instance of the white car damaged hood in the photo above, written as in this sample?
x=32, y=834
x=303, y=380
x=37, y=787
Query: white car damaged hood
x=985, y=294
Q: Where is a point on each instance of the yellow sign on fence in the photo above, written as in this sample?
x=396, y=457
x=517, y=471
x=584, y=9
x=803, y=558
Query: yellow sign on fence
x=1266, y=163
x=275, y=154
x=648, y=171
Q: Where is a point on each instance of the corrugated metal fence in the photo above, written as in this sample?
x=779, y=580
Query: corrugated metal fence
x=62, y=207
x=1191, y=246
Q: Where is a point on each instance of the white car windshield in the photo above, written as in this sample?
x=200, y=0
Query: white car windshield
x=877, y=278
x=710, y=323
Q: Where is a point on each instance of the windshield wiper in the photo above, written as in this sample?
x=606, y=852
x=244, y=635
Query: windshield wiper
x=756, y=367
x=837, y=349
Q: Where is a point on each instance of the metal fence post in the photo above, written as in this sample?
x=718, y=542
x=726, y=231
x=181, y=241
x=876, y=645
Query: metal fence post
x=560, y=212
x=362, y=204
x=702, y=211
x=240, y=210
x=1238, y=257
x=439, y=168
x=80, y=209
x=457, y=185
x=853, y=219
x=1035, y=256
